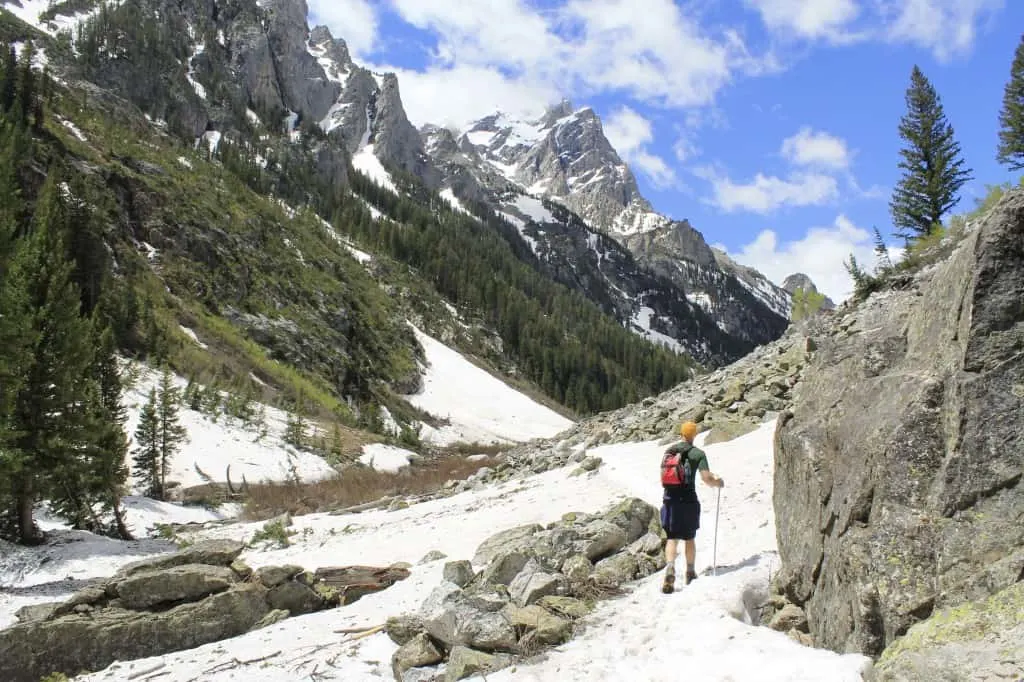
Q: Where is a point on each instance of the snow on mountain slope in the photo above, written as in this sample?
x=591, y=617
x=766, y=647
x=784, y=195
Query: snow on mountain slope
x=635, y=636
x=480, y=407
x=212, y=446
x=29, y=11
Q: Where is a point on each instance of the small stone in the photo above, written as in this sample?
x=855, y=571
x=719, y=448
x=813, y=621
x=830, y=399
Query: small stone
x=459, y=572
x=433, y=555
x=418, y=652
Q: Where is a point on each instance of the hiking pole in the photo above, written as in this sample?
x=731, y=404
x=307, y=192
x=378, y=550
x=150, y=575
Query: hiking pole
x=714, y=550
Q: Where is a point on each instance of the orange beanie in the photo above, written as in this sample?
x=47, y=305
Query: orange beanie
x=688, y=430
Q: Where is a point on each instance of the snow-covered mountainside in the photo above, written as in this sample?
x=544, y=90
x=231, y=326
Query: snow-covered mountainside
x=625, y=637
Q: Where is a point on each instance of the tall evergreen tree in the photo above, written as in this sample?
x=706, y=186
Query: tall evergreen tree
x=172, y=433
x=48, y=410
x=110, y=471
x=933, y=169
x=146, y=455
x=1010, y=150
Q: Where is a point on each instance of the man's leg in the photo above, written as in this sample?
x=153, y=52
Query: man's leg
x=671, y=548
x=690, y=550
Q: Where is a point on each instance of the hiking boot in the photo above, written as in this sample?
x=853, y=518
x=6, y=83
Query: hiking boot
x=669, y=585
x=690, y=577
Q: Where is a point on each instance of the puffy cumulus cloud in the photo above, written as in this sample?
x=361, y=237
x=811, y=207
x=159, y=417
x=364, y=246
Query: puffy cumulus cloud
x=811, y=19
x=816, y=148
x=630, y=133
x=660, y=56
x=455, y=96
x=767, y=193
x=946, y=27
x=354, y=20
x=820, y=255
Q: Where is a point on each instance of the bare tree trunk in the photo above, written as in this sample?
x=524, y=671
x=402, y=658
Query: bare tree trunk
x=28, y=533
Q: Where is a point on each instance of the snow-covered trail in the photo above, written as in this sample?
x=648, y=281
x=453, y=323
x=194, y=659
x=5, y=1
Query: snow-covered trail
x=697, y=633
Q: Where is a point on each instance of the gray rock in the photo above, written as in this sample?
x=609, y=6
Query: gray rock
x=504, y=568
x=790, y=617
x=898, y=468
x=190, y=582
x=295, y=598
x=974, y=641
x=464, y=662
x=272, y=618
x=449, y=618
x=432, y=556
x=459, y=572
x=518, y=538
x=617, y=569
x=532, y=583
x=417, y=652
x=577, y=568
x=272, y=576
x=72, y=643
x=210, y=552
x=602, y=538
x=547, y=628
x=403, y=628
x=35, y=612
x=633, y=516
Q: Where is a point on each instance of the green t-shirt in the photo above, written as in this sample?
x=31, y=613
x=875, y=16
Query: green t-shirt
x=696, y=461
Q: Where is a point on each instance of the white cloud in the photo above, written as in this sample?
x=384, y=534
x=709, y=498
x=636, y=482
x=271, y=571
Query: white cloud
x=767, y=193
x=660, y=56
x=946, y=27
x=354, y=20
x=630, y=133
x=810, y=19
x=819, y=254
x=817, y=149
x=458, y=95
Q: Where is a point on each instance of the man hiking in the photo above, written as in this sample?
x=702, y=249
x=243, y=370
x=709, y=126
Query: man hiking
x=680, y=510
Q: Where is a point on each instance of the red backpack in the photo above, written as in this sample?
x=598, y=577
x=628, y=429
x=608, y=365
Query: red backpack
x=675, y=469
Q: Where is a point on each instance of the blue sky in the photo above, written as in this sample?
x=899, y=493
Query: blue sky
x=770, y=124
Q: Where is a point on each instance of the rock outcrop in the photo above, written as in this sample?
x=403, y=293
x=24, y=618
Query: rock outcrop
x=534, y=583
x=898, y=472
x=173, y=602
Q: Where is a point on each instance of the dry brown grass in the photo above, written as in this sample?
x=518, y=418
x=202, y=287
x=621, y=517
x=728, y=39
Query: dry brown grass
x=356, y=485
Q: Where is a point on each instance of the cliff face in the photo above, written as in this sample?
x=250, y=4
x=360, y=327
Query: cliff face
x=898, y=471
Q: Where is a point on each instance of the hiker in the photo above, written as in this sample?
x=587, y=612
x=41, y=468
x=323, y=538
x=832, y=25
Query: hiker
x=680, y=510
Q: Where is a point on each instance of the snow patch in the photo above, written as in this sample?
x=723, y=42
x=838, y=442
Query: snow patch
x=191, y=73
x=448, y=195
x=386, y=457
x=479, y=407
x=192, y=335
x=185, y=162
x=367, y=163
x=75, y=130
x=534, y=209
x=642, y=321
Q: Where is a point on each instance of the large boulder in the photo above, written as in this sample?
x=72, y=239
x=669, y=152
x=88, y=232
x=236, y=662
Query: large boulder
x=188, y=582
x=974, y=641
x=30, y=651
x=898, y=471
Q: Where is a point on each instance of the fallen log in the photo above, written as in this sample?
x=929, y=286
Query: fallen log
x=354, y=582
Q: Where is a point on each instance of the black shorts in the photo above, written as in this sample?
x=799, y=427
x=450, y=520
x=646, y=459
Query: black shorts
x=680, y=519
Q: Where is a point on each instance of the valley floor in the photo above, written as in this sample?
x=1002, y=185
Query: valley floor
x=702, y=632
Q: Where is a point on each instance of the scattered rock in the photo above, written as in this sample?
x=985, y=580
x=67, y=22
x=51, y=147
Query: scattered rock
x=459, y=572
x=189, y=582
x=403, y=628
x=464, y=662
x=272, y=576
x=415, y=653
x=433, y=555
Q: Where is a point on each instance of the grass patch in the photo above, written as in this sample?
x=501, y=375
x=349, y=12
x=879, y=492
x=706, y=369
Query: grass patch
x=356, y=485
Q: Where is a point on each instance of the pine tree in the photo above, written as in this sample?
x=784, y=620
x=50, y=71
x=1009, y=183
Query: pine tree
x=146, y=456
x=49, y=410
x=1010, y=150
x=933, y=167
x=172, y=433
x=110, y=471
